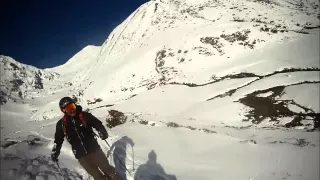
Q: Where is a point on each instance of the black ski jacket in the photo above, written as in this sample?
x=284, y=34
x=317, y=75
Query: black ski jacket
x=81, y=138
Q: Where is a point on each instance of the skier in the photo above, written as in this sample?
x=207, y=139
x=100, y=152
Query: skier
x=76, y=125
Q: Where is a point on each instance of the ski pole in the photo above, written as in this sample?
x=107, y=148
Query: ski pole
x=118, y=158
x=58, y=166
x=114, y=154
x=60, y=170
x=132, y=158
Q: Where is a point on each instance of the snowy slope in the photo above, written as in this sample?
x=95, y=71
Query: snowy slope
x=145, y=41
x=210, y=89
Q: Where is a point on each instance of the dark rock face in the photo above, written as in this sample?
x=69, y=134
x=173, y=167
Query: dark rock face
x=172, y=124
x=15, y=67
x=16, y=83
x=274, y=109
x=115, y=118
x=214, y=42
x=38, y=81
x=3, y=96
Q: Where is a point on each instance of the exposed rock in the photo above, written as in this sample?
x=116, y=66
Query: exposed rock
x=115, y=118
x=214, y=42
x=95, y=100
x=172, y=124
x=3, y=97
x=16, y=83
x=9, y=143
x=208, y=131
x=38, y=80
x=263, y=108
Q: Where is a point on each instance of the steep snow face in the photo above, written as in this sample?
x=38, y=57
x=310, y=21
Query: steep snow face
x=165, y=42
x=79, y=62
x=77, y=68
x=75, y=71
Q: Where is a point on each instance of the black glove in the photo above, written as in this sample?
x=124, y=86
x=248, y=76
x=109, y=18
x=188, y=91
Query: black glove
x=131, y=143
x=54, y=157
x=103, y=134
x=55, y=153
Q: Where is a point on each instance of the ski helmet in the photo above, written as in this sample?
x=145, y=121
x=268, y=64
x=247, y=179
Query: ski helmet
x=64, y=102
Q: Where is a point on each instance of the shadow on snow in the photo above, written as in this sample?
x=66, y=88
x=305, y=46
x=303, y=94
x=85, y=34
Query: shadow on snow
x=151, y=170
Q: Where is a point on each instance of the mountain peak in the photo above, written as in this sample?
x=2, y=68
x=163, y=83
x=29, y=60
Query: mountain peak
x=80, y=59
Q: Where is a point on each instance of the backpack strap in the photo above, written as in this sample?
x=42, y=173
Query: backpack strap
x=64, y=125
x=82, y=120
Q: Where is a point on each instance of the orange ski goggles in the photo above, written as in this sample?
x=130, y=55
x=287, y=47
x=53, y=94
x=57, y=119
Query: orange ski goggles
x=70, y=108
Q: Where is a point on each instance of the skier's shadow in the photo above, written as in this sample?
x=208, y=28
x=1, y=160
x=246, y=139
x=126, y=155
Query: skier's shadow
x=151, y=170
x=119, y=155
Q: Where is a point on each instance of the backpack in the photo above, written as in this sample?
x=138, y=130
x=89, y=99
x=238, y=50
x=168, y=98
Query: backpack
x=65, y=122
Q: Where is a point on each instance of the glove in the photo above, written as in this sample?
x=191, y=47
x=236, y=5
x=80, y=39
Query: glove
x=55, y=153
x=131, y=143
x=103, y=135
x=54, y=157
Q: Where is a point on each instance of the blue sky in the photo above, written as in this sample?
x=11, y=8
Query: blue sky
x=47, y=33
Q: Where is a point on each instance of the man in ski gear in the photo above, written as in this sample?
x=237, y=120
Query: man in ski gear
x=76, y=125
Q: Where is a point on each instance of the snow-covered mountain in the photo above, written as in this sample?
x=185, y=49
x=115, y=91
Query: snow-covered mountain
x=214, y=89
x=19, y=81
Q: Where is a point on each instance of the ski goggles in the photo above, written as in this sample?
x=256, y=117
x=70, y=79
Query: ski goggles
x=70, y=108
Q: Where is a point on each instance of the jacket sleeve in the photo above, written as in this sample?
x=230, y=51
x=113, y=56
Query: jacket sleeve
x=94, y=122
x=58, y=139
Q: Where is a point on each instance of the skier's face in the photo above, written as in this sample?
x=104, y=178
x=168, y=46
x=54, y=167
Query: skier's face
x=72, y=114
x=70, y=109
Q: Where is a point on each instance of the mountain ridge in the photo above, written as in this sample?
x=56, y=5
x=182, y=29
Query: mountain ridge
x=139, y=55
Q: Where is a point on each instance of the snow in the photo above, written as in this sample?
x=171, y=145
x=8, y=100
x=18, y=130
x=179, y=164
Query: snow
x=295, y=108
x=207, y=160
x=187, y=37
x=304, y=94
x=175, y=69
x=282, y=79
x=186, y=148
x=265, y=94
x=173, y=99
